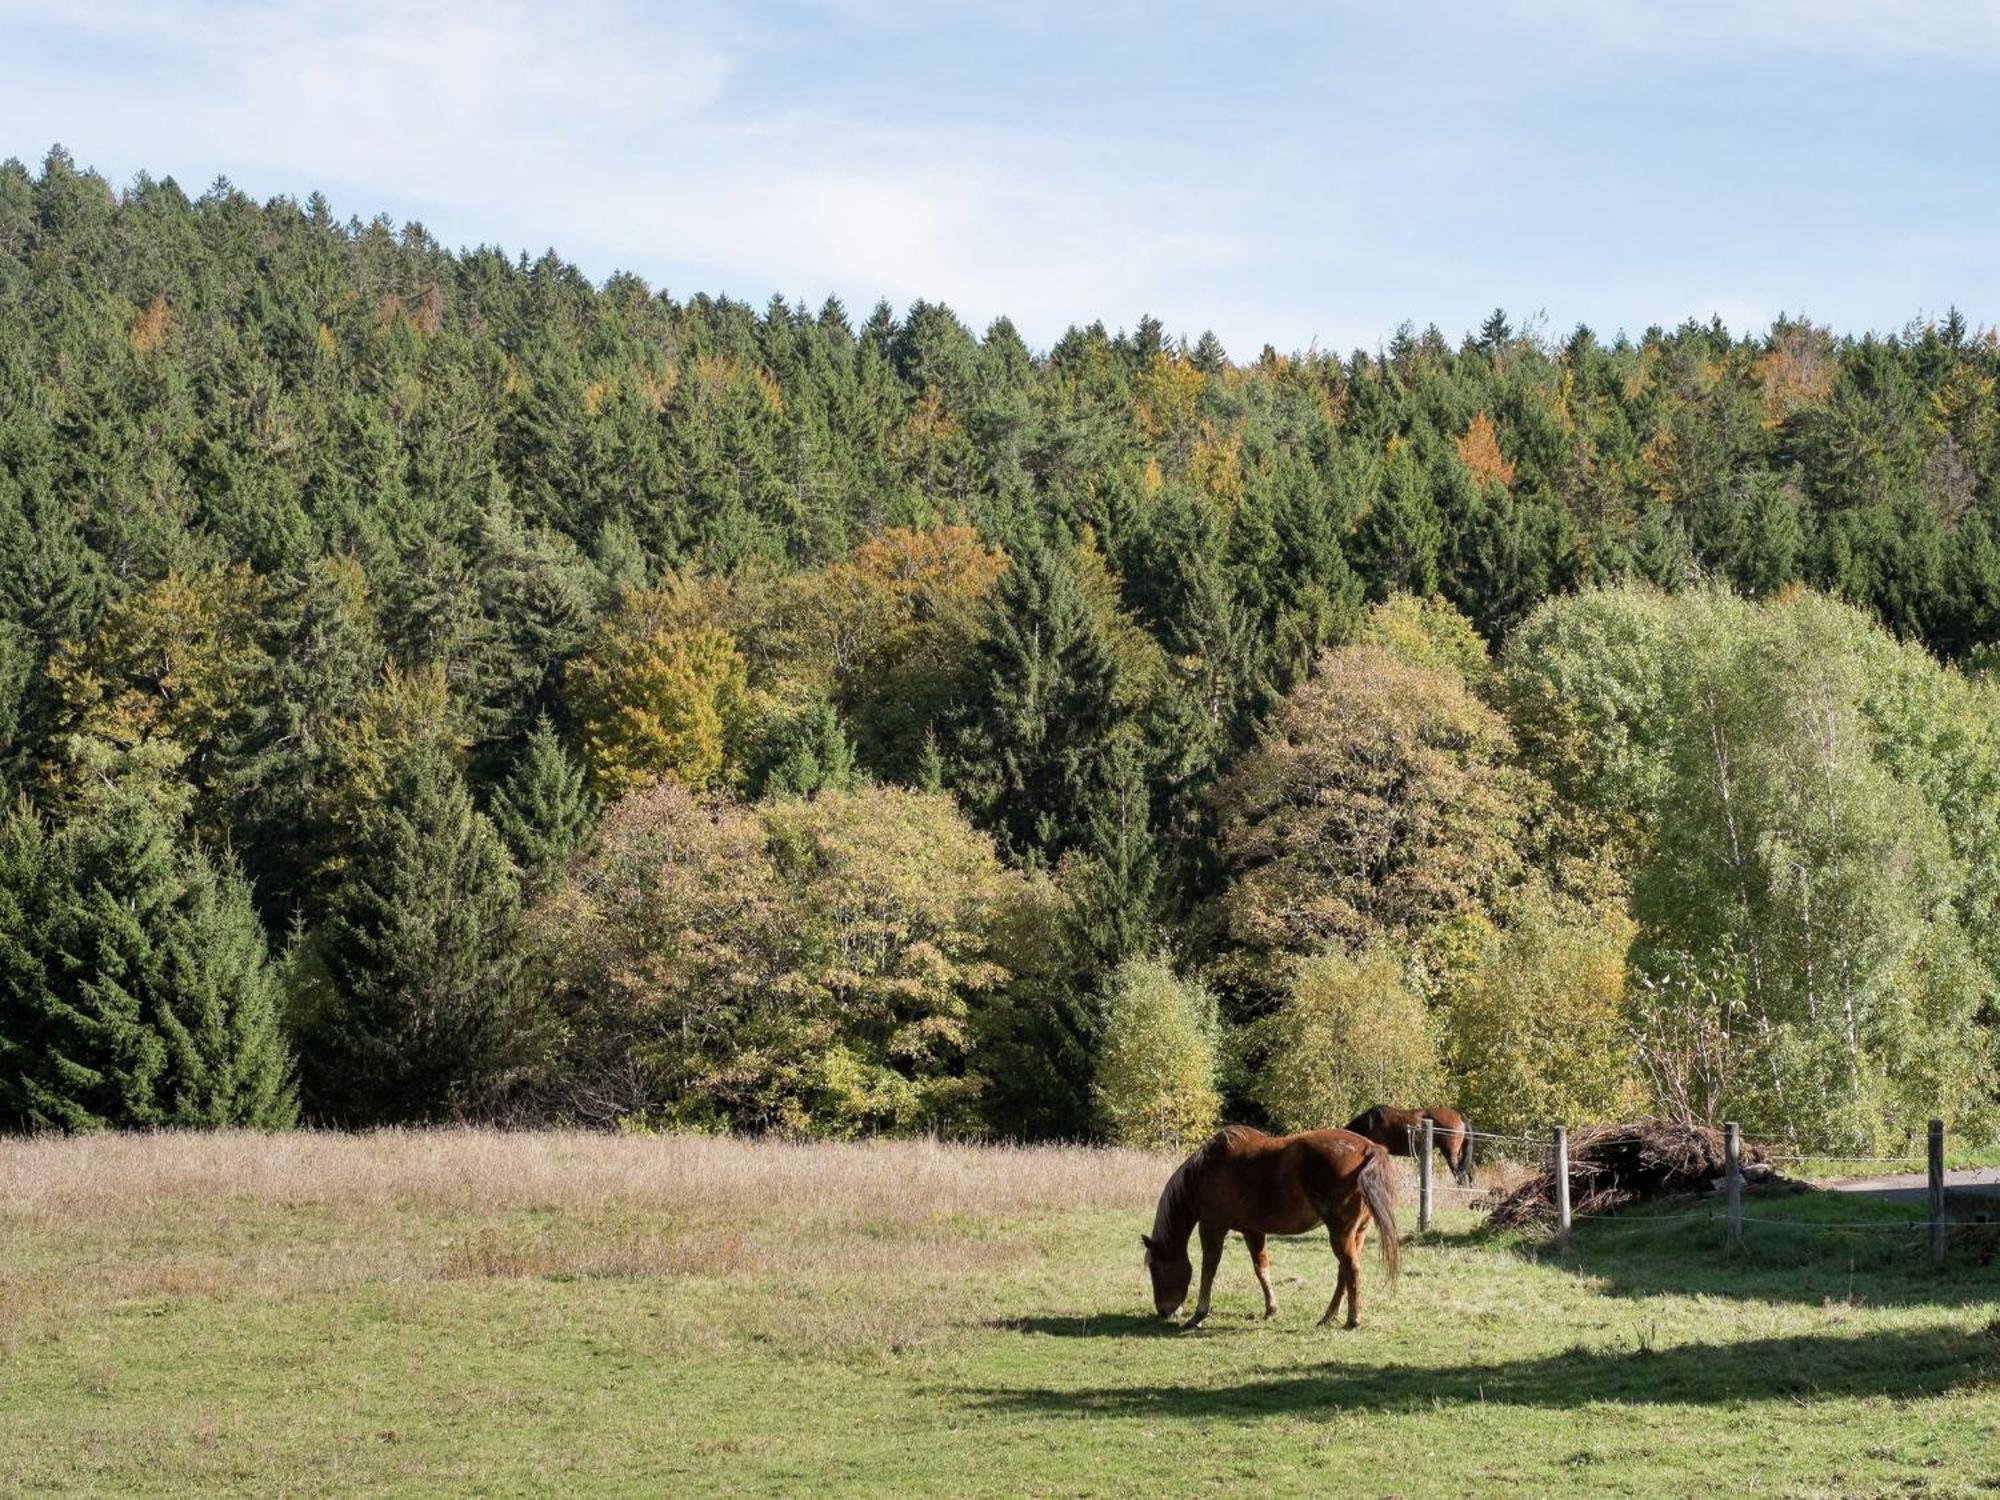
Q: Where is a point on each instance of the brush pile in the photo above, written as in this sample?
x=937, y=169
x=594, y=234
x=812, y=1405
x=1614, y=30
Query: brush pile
x=1614, y=1166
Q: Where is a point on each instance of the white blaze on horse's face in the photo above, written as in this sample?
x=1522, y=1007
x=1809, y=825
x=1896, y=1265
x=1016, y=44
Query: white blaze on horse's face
x=1171, y=1275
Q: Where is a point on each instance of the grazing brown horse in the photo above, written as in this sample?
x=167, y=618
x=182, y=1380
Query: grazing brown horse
x=1402, y=1132
x=1258, y=1185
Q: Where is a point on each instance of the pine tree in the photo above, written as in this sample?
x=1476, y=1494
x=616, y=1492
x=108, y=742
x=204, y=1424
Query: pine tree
x=419, y=1016
x=542, y=810
x=1047, y=684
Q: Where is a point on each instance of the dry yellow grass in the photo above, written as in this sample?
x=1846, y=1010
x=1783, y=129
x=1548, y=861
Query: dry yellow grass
x=114, y=1219
x=825, y=1183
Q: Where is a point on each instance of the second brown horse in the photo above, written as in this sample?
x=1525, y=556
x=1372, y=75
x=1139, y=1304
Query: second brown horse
x=1259, y=1185
x=1401, y=1132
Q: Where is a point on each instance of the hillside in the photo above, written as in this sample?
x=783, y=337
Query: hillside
x=433, y=686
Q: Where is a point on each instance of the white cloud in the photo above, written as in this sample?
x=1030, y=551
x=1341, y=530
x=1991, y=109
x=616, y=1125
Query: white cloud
x=1731, y=30
x=622, y=138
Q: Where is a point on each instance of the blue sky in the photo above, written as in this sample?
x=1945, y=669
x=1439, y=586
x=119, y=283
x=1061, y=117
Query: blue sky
x=1293, y=173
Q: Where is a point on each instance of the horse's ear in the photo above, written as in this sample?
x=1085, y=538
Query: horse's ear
x=1147, y=1241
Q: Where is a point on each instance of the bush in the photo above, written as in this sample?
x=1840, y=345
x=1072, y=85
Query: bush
x=1352, y=1031
x=803, y=967
x=1156, y=1075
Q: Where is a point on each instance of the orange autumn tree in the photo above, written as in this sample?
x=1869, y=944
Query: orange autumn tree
x=1479, y=451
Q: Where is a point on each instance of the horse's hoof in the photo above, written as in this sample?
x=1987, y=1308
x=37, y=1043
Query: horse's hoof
x=1270, y=1312
x=1192, y=1324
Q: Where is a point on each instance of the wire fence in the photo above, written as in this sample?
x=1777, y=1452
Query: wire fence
x=1552, y=1150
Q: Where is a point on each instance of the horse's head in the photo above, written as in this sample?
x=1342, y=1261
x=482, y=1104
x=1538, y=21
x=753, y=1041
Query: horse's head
x=1171, y=1271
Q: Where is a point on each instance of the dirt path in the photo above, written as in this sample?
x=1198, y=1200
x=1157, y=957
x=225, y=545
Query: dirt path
x=1914, y=1187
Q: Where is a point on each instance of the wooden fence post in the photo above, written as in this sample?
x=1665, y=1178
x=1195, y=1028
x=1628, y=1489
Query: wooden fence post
x=1732, y=1146
x=1424, y=1179
x=1937, y=1194
x=1562, y=1184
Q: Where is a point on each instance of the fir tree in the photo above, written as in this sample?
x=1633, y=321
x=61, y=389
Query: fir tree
x=135, y=987
x=1402, y=534
x=1115, y=914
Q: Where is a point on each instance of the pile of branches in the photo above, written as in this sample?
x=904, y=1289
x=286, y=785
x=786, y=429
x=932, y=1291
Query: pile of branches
x=1614, y=1166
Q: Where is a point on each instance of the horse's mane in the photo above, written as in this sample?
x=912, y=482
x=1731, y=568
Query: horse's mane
x=1174, y=1207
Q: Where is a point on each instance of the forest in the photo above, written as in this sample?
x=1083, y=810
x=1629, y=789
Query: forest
x=434, y=686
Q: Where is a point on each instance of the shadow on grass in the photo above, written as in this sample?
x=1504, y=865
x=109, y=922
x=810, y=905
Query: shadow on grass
x=1811, y=1247
x=1090, y=1326
x=1903, y=1365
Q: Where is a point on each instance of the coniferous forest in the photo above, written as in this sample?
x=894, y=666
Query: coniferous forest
x=435, y=686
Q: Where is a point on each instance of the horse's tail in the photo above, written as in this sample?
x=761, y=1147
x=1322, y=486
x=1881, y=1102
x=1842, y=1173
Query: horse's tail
x=1378, y=1191
x=1464, y=1173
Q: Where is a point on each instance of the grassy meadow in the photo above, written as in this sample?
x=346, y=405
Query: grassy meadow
x=483, y=1313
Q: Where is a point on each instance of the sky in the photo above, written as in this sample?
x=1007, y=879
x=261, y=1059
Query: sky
x=1304, y=173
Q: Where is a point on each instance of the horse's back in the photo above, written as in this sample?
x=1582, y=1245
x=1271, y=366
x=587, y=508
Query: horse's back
x=1277, y=1184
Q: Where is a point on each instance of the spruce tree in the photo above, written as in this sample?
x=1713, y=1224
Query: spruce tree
x=418, y=1022
x=94, y=1062
x=542, y=810
x=227, y=1059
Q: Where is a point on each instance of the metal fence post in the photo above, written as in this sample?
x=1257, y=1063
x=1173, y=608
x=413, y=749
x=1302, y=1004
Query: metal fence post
x=1937, y=1194
x=1732, y=1146
x=1424, y=1180
x=1562, y=1184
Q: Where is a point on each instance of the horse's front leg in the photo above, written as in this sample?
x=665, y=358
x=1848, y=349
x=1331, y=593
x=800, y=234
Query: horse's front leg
x=1260, y=1258
x=1211, y=1257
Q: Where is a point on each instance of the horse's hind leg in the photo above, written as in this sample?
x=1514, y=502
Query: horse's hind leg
x=1343, y=1282
x=1350, y=1267
x=1345, y=1231
x=1260, y=1259
x=1212, y=1241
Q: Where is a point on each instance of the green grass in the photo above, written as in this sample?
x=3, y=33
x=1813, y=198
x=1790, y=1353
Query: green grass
x=214, y=1336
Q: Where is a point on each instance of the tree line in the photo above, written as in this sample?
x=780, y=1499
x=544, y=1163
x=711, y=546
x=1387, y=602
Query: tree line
x=434, y=686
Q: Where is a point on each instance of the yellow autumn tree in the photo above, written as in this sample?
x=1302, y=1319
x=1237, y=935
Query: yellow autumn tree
x=174, y=660
x=1167, y=407
x=1798, y=370
x=656, y=701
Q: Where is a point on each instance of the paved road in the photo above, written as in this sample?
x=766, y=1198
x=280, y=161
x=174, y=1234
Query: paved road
x=1914, y=1187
